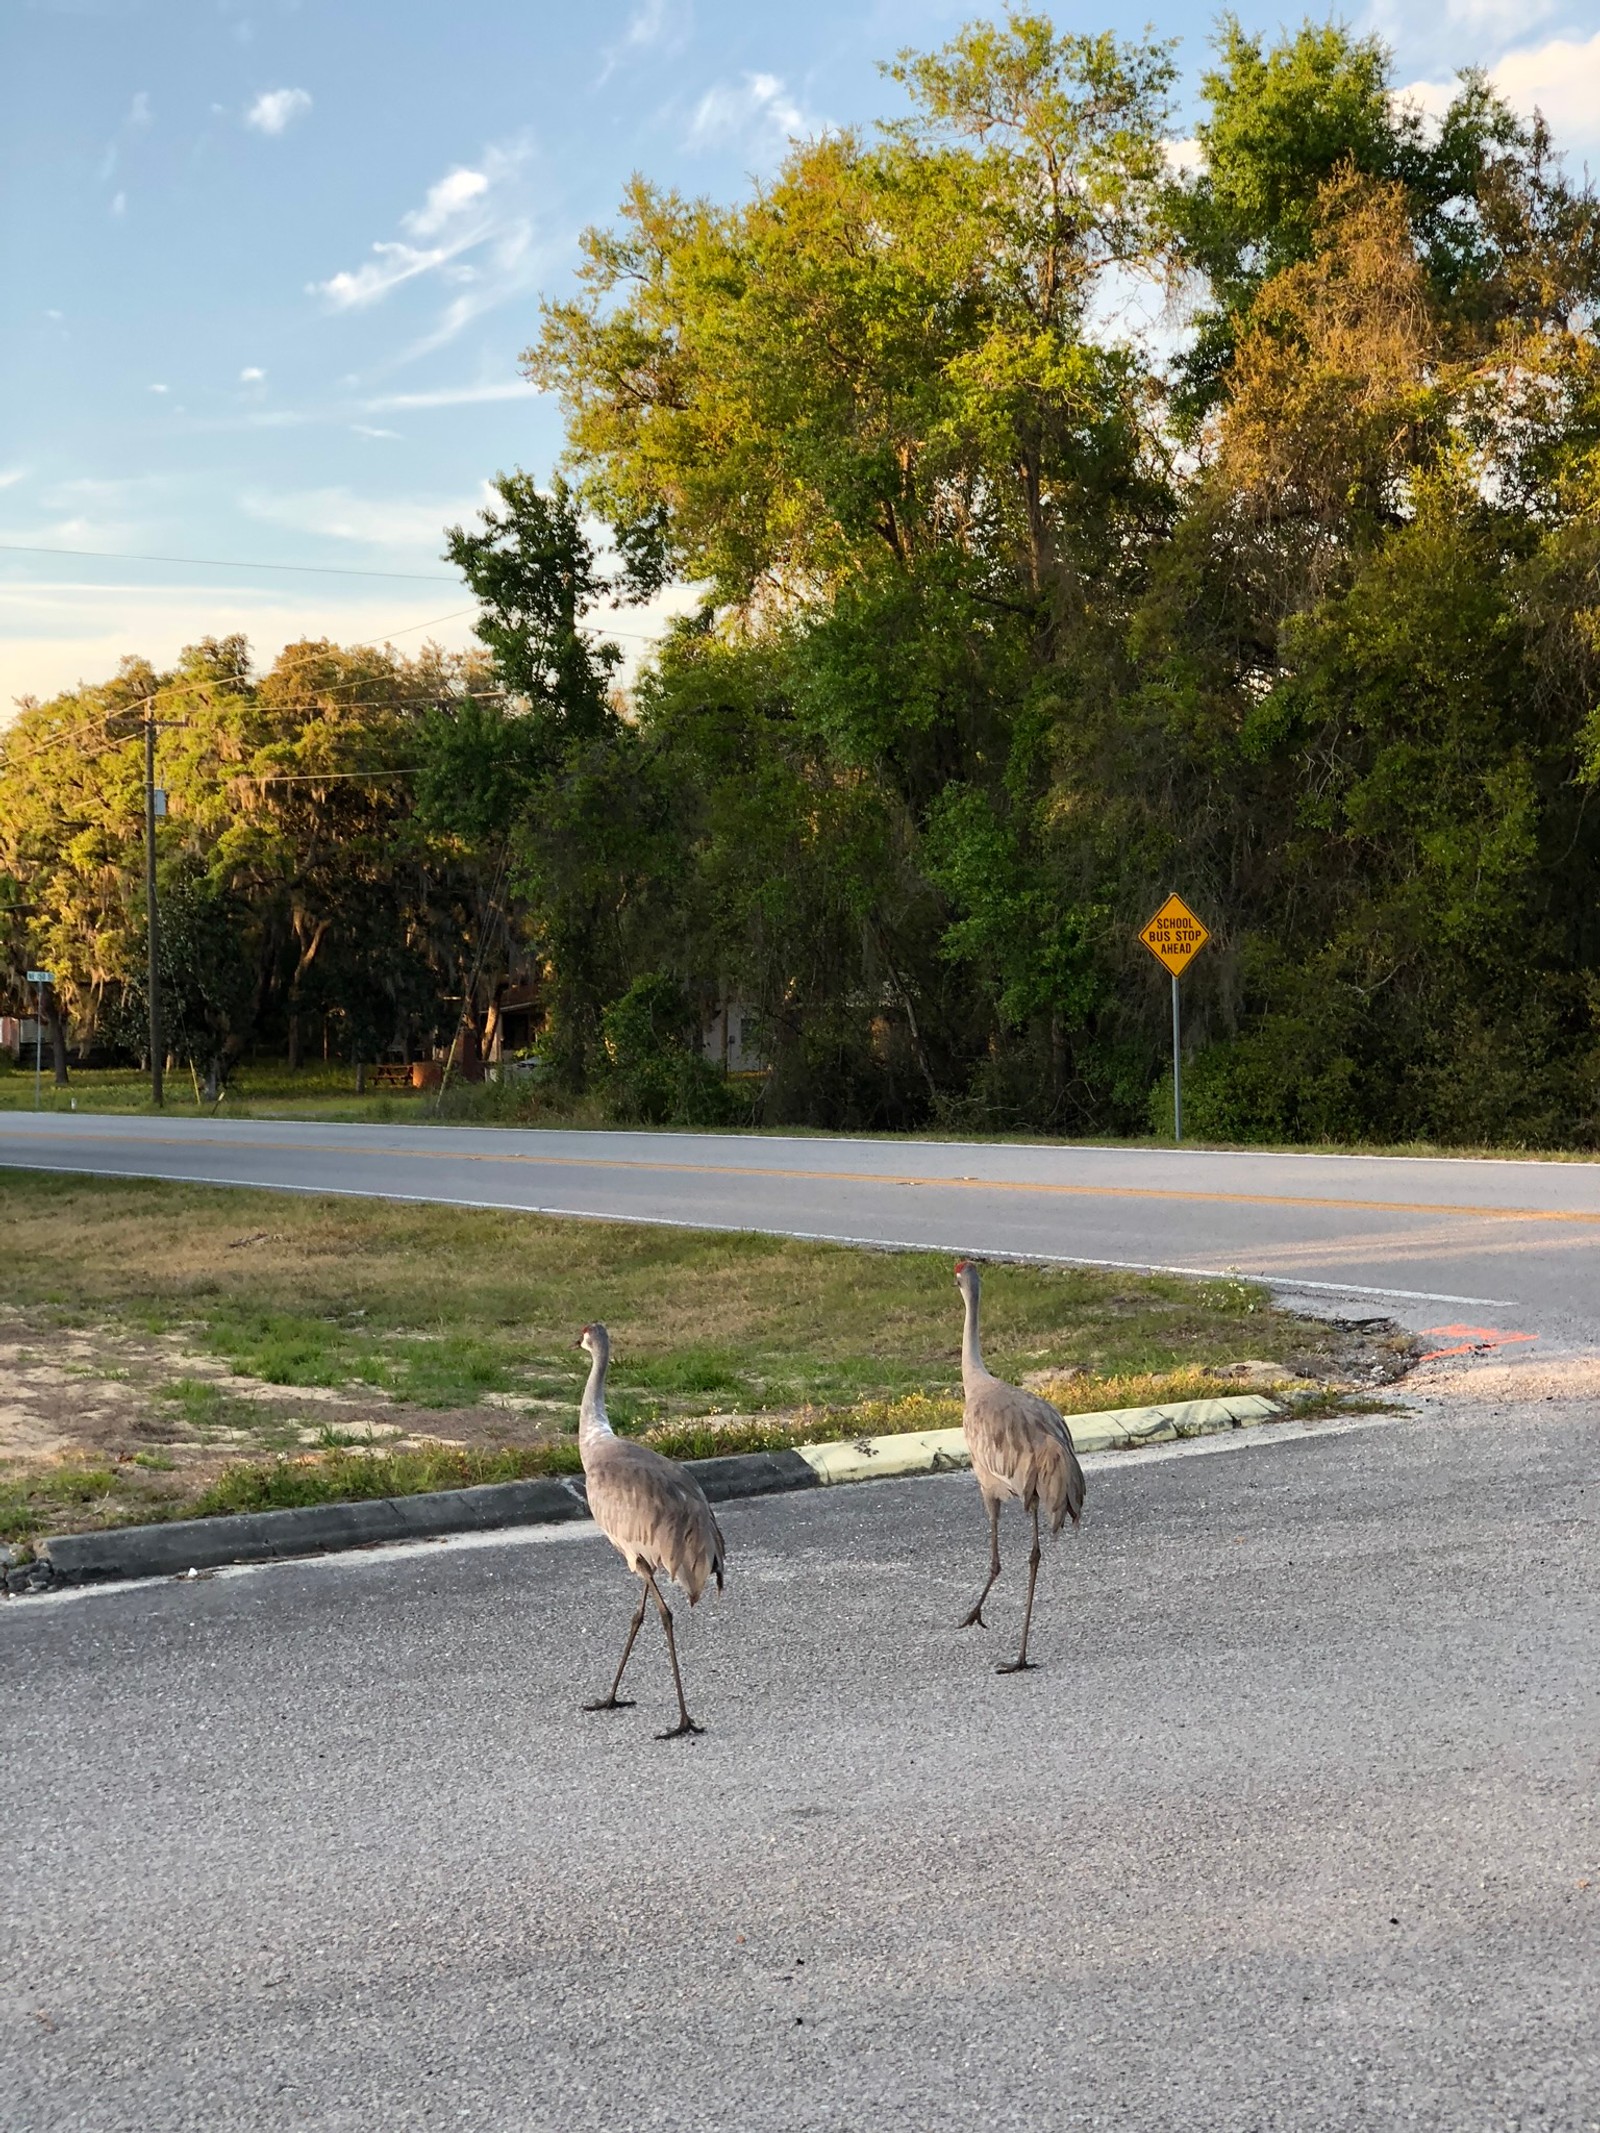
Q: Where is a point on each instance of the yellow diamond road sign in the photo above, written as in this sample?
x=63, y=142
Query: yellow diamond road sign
x=1175, y=936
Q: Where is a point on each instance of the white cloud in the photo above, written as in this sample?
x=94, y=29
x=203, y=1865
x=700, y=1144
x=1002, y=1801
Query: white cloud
x=451, y=196
x=1185, y=156
x=158, y=388
x=366, y=429
x=509, y=267
x=648, y=25
x=758, y=111
x=250, y=375
x=1499, y=18
x=338, y=514
x=119, y=204
x=136, y=119
x=390, y=265
x=478, y=211
x=1560, y=78
x=654, y=26
x=10, y=476
x=454, y=396
x=274, y=110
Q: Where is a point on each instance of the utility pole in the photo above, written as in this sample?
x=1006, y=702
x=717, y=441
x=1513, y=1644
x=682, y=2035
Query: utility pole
x=155, y=808
x=152, y=917
x=39, y=979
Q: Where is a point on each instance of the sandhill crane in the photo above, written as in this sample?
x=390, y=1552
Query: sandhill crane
x=1020, y=1448
x=654, y=1515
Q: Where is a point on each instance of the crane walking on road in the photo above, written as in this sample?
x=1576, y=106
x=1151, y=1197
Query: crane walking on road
x=654, y=1515
x=1020, y=1448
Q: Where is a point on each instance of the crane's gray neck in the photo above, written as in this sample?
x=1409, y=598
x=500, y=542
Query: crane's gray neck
x=971, y=1354
x=593, y=1420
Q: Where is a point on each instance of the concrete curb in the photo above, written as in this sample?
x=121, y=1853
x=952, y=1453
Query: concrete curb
x=938, y=1451
x=182, y=1545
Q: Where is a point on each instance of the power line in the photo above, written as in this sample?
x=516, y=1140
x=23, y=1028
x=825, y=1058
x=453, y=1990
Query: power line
x=11, y=756
x=209, y=562
x=324, y=570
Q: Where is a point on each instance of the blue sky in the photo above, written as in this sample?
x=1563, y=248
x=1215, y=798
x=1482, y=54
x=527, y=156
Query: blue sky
x=269, y=264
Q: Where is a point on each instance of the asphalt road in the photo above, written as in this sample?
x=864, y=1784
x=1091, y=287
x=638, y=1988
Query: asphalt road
x=1297, y=1827
x=1508, y=1244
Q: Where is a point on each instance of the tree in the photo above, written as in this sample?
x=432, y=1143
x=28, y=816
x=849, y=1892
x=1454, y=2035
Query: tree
x=526, y=779
x=1281, y=125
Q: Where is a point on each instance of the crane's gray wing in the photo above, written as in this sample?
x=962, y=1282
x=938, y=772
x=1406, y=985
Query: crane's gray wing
x=655, y=1515
x=1021, y=1439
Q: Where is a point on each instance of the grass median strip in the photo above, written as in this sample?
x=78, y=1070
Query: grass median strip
x=174, y=1351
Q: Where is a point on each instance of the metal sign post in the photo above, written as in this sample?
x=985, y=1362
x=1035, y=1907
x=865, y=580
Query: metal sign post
x=1175, y=937
x=40, y=979
x=1177, y=1063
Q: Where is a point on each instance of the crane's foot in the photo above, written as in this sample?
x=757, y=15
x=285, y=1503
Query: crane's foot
x=1018, y=1666
x=974, y=1620
x=684, y=1725
x=611, y=1703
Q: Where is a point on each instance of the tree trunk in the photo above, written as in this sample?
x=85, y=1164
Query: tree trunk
x=58, y=1039
x=294, y=1042
x=361, y=1077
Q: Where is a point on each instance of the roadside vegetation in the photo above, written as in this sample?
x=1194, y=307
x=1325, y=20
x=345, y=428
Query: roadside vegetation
x=171, y=1350
x=1009, y=622
x=327, y=1094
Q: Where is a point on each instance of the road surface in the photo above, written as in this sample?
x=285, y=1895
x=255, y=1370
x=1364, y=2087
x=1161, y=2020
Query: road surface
x=1508, y=1244
x=1297, y=1827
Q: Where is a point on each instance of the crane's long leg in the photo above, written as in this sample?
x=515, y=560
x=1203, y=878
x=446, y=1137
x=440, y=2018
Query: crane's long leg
x=1022, y=1664
x=614, y=1702
x=976, y=1615
x=685, y=1723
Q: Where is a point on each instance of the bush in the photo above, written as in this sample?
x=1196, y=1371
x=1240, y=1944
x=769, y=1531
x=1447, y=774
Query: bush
x=654, y=1072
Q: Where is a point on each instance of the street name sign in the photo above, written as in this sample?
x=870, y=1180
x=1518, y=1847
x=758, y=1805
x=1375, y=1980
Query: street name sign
x=41, y=977
x=1175, y=936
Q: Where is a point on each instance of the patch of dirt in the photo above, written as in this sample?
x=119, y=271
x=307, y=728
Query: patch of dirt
x=103, y=1396
x=1350, y=1355
x=1526, y=1375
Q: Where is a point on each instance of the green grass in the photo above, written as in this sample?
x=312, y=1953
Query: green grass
x=437, y=1307
x=347, y=1476
x=27, y=1502
x=721, y=1343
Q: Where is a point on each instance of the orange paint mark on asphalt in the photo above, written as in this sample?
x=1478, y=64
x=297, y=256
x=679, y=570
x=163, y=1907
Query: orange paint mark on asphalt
x=1469, y=1340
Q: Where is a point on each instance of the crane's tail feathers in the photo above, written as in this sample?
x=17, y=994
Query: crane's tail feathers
x=1066, y=1493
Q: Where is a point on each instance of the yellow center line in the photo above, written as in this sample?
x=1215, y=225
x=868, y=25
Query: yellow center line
x=838, y=1177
